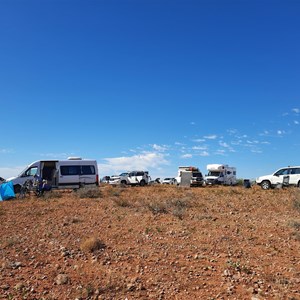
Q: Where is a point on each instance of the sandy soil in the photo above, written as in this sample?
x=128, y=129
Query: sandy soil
x=158, y=242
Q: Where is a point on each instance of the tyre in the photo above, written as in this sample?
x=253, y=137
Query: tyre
x=17, y=188
x=123, y=182
x=298, y=185
x=265, y=185
x=142, y=182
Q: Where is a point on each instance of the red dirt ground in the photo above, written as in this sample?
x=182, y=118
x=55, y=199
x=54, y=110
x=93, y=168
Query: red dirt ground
x=156, y=242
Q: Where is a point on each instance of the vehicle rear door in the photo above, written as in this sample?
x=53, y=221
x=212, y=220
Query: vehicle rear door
x=294, y=176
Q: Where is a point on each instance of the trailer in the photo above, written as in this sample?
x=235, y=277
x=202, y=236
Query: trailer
x=220, y=174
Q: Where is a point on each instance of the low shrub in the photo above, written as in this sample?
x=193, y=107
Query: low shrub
x=88, y=192
x=92, y=245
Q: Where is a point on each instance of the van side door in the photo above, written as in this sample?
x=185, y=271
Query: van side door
x=69, y=176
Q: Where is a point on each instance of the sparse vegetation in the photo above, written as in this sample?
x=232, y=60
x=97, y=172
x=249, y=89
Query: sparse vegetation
x=92, y=245
x=88, y=192
x=154, y=242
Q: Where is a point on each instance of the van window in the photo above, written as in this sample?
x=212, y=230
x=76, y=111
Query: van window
x=88, y=170
x=69, y=170
x=30, y=172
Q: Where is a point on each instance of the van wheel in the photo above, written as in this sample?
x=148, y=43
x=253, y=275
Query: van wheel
x=17, y=188
x=142, y=182
x=265, y=185
x=298, y=184
x=123, y=182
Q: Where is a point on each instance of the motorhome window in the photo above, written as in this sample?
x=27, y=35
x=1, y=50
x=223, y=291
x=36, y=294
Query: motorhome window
x=88, y=170
x=70, y=170
x=31, y=172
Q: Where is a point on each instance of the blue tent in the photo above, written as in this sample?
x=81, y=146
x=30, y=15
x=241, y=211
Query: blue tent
x=7, y=191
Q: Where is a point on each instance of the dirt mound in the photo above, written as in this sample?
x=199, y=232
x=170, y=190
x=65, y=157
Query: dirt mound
x=156, y=242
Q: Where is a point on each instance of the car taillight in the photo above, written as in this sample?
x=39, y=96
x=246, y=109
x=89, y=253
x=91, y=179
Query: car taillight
x=97, y=179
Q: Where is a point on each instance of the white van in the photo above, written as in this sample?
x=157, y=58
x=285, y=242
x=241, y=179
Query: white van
x=270, y=181
x=73, y=173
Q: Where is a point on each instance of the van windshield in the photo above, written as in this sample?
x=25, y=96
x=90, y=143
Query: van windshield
x=214, y=173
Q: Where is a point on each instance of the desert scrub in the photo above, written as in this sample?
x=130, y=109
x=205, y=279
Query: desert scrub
x=157, y=207
x=92, y=245
x=122, y=202
x=176, y=206
x=51, y=195
x=296, y=202
x=88, y=192
x=295, y=224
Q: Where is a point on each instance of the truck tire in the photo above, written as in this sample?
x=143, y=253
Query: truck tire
x=142, y=182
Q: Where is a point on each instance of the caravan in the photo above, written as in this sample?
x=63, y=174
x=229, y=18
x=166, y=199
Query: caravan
x=220, y=174
x=73, y=173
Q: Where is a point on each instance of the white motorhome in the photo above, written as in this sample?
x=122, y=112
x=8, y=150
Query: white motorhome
x=73, y=173
x=220, y=174
x=131, y=178
x=189, y=176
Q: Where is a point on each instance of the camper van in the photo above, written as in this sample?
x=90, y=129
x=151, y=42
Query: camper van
x=189, y=176
x=220, y=174
x=73, y=173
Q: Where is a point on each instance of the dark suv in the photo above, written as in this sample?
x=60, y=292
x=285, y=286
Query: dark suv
x=197, y=179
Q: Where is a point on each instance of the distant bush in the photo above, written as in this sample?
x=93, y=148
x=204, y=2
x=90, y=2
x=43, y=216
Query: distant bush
x=157, y=207
x=51, y=195
x=296, y=202
x=88, y=192
x=176, y=206
x=122, y=202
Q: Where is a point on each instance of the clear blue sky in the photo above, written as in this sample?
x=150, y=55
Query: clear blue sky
x=151, y=84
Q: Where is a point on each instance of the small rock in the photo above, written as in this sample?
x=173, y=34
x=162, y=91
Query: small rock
x=61, y=279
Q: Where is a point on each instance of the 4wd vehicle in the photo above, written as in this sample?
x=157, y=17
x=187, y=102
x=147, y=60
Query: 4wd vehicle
x=189, y=176
x=119, y=179
x=169, y=180
x=131, y=178
x=270, y=181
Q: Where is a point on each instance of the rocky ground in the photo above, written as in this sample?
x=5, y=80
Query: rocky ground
x=158, y=242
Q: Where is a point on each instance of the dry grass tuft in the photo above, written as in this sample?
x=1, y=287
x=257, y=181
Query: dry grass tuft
x=89, y=192
x=92, y=245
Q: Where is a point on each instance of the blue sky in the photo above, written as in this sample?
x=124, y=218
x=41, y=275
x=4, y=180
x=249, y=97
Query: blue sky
x=150, y=84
